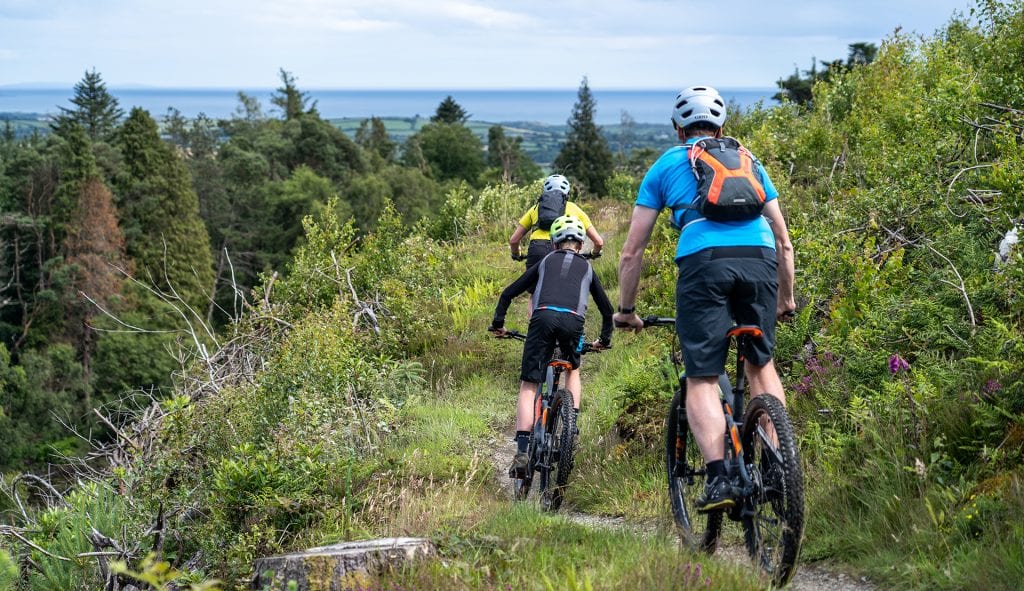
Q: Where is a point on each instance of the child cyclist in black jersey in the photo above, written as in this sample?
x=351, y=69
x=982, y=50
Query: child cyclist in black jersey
x=560, y=283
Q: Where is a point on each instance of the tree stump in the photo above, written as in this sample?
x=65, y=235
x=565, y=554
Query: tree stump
x=338, y=567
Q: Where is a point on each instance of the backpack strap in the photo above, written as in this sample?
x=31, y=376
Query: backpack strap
x=692, y=154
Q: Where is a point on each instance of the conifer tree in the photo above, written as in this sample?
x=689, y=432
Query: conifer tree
x=450, y=111
x=164, y=234
x=95, y=249
x=97, y=111
x=585, y=156
x=289, y=99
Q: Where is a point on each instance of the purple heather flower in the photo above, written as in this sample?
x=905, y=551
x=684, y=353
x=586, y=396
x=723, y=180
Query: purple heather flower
x=992, y=386
x=898, y=364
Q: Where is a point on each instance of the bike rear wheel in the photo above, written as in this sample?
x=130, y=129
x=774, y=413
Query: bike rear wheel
x=686, y=476
x=561, y=450
x=774, y=532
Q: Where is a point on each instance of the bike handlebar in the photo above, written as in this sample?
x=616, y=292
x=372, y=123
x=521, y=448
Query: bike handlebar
x=658, y=321
x=511, y=334
x=586, y=255
x=515, y=334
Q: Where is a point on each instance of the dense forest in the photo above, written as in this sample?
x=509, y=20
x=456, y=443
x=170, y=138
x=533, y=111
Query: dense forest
x=242, y=337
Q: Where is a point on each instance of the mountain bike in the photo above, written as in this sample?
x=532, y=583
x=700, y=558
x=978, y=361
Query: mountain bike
x=553, y=437
x=761, y=459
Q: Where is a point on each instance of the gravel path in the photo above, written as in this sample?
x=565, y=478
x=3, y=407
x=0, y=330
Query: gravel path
x=809, y=577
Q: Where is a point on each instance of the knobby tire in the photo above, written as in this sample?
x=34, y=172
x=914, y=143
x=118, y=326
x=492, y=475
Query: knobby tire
x=774, y=533
x=698, y=531
x=561, y=451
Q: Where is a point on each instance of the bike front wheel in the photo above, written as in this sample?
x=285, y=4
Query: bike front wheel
x=561, y=450
x=774, y=532
x=686, y=477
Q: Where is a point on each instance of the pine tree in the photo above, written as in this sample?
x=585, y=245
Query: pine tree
x=450, y=111
x=585, y=156
x=97, y=111
x=290, y=100
x=165, y=236
x=95, y=249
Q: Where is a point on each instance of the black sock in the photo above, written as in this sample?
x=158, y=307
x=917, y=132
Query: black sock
x=716, y=469
x=522, y=441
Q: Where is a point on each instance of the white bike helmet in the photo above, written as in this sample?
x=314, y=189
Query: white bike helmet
x=699, y=103
x=557, y=181
x=567, y=227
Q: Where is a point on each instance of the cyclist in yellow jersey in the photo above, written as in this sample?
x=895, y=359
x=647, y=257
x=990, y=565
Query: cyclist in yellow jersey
x=540, y=239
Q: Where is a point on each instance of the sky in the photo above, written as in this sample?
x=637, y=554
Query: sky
x=442, y=44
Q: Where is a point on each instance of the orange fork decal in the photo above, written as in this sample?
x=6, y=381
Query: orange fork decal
x=536, y=409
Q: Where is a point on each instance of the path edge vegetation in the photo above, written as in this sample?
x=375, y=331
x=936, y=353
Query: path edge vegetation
x=304, y=425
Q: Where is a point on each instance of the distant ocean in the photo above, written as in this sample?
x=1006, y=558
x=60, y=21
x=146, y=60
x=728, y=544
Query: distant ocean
x=543, y=106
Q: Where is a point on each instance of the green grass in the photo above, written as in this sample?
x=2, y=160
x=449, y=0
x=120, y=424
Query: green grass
x=519, y=547
x=442, y=482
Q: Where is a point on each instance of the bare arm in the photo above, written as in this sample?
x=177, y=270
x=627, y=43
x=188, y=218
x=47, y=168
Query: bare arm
x=595, y=238
x=513, y=240
x=784, y=253
x=631, y=261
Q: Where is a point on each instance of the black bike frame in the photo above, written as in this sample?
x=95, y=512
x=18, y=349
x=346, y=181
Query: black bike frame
x=732, y=396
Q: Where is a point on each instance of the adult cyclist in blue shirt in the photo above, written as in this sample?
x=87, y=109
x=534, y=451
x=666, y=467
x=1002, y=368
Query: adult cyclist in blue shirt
x=729, y=272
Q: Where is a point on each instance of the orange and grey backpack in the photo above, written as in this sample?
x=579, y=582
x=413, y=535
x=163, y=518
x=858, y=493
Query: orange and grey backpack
x=728, y=185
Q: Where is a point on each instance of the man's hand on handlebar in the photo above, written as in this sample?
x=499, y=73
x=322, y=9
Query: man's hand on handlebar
x=599, y=346
x=499, y=331
x=628, y=321
x=785, y=315
x=518, y=257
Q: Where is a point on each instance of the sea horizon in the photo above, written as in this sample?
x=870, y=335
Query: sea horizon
x=551, y=106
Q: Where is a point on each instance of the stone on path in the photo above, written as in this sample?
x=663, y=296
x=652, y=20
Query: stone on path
x=348, y=565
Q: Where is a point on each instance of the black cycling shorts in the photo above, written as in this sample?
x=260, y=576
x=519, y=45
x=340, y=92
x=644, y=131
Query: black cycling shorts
x=547, y=329
x=717, y=289
x=537, y=250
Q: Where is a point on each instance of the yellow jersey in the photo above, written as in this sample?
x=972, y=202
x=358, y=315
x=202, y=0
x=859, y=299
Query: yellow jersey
x=529, y=220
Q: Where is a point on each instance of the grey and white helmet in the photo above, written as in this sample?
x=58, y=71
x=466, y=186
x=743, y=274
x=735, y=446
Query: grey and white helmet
x=557, y=181
x=699, y=103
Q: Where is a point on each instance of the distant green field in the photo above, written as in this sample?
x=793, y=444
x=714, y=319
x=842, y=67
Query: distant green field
x=542, y=142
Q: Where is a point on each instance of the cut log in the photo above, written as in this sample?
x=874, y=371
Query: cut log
x=348, y=565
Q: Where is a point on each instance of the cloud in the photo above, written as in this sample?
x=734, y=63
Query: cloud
x=357, y=25
x=484, y=16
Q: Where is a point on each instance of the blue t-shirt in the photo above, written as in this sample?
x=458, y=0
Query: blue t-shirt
x=671, y=183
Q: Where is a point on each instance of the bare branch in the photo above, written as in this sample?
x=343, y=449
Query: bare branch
x=961, y=287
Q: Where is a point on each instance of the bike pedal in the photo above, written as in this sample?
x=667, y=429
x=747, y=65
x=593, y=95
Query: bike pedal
x=723, y=505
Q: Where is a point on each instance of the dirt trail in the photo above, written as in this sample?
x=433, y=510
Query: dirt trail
x=809, y=577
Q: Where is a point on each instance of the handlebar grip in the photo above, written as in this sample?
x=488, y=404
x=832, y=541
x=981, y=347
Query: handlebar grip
x=658, y=321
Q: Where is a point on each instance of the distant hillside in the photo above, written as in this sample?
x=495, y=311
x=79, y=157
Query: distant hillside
x=541, y=141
